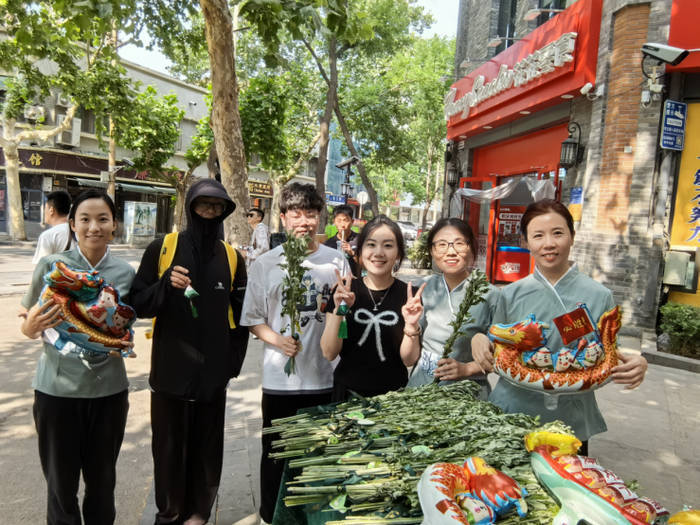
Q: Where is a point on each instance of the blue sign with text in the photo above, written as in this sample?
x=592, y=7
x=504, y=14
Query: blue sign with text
x=334, y=200
x=673, y=129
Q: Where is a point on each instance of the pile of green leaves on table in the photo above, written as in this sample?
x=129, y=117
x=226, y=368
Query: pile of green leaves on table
x=364, y=457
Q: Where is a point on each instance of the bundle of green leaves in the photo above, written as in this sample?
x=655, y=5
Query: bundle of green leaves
x=475, y=293
x=294, y=250
x=364, y=457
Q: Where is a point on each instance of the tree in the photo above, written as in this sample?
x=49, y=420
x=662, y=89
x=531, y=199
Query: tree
x=372, y=30
x=393, y=110
x=278, y=129
x=57, y=47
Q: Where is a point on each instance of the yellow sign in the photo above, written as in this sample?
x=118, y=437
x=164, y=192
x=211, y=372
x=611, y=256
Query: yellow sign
x=35, y=159
x=686, y=217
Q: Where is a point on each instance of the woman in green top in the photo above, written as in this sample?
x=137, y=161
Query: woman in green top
x=453, y=249
x=555, y=288
x=80, y=399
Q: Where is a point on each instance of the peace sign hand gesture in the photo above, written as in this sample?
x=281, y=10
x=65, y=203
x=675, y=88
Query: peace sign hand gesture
x=413, y=309
x=342, y=290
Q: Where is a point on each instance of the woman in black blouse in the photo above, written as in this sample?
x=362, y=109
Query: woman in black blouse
x=370, y=362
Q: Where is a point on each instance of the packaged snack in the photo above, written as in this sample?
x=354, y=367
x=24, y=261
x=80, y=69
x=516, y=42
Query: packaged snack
x=618, y=494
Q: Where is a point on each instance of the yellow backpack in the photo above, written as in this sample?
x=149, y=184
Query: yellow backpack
x=167, y=254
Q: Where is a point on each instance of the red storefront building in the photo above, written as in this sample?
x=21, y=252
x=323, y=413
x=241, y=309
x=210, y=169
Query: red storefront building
x=568, y=109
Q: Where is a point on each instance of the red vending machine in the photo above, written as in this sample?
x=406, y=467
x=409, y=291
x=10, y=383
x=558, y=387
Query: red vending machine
x=511, y=261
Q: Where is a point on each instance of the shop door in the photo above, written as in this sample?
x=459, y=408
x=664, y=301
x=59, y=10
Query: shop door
x=535, y=155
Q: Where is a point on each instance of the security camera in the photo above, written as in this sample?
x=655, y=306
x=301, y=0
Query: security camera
x=347, y=162
x=586, y=88
x=663, y=53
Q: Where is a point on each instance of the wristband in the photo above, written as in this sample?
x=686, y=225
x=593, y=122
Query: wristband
x=411, y=334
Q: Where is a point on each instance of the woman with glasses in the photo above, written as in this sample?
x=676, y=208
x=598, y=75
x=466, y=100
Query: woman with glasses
x=427, y=315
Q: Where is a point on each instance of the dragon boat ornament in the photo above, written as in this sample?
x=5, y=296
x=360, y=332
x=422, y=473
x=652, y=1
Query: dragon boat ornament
x=586, y=491
x=93, y=317
x=521, y=355
x=470, y=494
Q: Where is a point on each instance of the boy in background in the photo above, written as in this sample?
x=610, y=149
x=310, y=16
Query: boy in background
x=342, y=219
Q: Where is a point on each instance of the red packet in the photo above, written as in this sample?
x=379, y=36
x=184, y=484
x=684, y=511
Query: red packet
x=573, y=325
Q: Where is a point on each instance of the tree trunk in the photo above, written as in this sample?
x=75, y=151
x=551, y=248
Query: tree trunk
x=428, y=194
x=373, y=200
x=14, y=193
x=112, y=164
x=225, y=119
x=277, y=186
x=181, y=188
x=325, y=126
x=212, y=159
x=112, y=154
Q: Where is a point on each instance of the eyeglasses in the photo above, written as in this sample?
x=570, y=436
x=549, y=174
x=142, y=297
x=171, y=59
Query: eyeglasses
x=441, y=247
x=216, y=207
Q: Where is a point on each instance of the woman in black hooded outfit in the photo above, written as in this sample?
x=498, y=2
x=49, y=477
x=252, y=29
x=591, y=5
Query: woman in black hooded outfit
x=195, y=352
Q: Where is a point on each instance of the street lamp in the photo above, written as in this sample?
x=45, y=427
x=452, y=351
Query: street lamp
x=571, y=149
x=451, y=173
x=345, y=186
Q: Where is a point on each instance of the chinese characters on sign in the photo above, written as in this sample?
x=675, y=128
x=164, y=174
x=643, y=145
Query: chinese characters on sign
x=573, y=325
x=695, y=210
x=261, y=189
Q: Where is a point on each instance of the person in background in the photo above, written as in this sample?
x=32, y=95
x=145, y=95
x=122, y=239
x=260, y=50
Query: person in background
x=57, y=238
x=312, y=382
x=80, y=400
x=555, y=288
x=370, y=361
x=345, y=239
x=196, y=351
x=260, y=238
x=453, y=250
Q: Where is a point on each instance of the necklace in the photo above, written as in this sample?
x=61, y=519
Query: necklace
x=377, y=304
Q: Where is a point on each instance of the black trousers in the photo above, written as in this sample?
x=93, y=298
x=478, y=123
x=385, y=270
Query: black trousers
x=188, y=448
x=273, y=407
x=80, y=435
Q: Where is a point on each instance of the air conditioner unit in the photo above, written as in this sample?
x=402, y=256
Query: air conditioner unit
x=70, y=137
x=35, y=113
x=63, y=100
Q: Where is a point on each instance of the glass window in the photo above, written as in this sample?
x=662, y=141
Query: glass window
x=507, y=13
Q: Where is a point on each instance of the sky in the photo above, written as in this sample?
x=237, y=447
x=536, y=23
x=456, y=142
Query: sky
x=444, y=12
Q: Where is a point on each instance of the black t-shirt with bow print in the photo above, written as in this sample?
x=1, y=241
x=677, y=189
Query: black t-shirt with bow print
x=370, y=362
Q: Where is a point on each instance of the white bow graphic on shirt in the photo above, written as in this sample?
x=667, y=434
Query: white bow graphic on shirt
x=386, y=318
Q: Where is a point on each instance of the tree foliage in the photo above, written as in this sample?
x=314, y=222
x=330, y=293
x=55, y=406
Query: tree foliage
x=151, y=129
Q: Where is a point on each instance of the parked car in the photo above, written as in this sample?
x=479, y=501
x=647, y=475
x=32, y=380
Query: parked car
x=409, y=230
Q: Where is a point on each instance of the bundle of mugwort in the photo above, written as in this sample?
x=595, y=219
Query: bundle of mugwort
x=364, y=457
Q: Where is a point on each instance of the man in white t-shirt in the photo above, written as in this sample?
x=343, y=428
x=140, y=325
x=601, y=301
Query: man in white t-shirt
x=57, y=238
x=312, y=382
x=260, y=239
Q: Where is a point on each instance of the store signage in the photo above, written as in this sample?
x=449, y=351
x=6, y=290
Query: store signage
x=673, y=128
x=545, y=60
x=261, y=189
